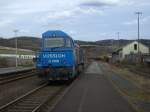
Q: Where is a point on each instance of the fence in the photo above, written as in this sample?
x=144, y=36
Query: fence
x=135, y=58
x=8, y=60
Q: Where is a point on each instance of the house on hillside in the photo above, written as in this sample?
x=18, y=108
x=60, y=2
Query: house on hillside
x=129, y=52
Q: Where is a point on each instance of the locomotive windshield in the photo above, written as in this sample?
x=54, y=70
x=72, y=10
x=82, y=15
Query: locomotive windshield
x=53, y=42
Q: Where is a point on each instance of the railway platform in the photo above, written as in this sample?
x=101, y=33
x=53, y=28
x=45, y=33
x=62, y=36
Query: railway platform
x=92, y=92
x=13, y=70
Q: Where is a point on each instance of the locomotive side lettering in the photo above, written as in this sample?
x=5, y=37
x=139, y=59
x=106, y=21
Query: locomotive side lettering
x=54, y=55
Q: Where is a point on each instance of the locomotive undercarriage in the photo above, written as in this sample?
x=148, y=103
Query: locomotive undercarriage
x=59, y=73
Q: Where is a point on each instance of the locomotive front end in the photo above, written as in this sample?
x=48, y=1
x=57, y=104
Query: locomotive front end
x=56, y=60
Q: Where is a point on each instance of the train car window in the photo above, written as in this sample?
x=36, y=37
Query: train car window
x=68, y=43
x=53, y=42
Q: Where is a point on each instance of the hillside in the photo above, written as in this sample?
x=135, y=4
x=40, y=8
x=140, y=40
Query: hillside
x=33, y=43
x=121, y=42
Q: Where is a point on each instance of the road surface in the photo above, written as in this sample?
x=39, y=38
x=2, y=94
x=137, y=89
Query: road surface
x=92, y=92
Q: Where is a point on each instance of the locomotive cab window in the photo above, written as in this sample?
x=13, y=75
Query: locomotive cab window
x=53, y=42
x=68, y=43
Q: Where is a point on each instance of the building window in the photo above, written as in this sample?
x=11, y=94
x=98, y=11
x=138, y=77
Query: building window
x=135, y=46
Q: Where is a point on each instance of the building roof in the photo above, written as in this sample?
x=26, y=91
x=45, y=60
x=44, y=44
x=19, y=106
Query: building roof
x=141, y=41
x=128, y=44
x=137, y=42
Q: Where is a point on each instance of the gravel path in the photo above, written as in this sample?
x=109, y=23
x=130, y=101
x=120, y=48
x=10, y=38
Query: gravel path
x=92, y=92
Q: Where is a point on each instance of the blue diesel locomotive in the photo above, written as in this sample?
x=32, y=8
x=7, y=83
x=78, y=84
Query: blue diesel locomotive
x=60, y=58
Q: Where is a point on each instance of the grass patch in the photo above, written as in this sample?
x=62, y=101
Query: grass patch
x=139, y=96
x=132, y=86
x=6, y=51
x=140, y=81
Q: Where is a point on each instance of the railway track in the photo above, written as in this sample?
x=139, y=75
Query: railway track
x=142, y=73
x=33, y=100
x=14, y=77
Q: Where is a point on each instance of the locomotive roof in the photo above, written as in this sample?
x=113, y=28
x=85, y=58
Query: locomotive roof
x=55, y=33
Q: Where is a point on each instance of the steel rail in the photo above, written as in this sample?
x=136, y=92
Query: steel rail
x=34, y=100
x=50, y=98
x=2, y=108
x=12, y=78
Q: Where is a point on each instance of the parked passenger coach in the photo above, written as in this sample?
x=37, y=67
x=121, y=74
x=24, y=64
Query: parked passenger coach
x=59, y=58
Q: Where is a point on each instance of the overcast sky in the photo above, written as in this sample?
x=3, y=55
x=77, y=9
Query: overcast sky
x=82, y=19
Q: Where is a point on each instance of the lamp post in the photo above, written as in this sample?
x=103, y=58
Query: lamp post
x=118, y=34
x=138, y=21
x=16, y=45
x=112, y=44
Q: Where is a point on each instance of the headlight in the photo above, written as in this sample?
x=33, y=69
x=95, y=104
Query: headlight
x=64, y=62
